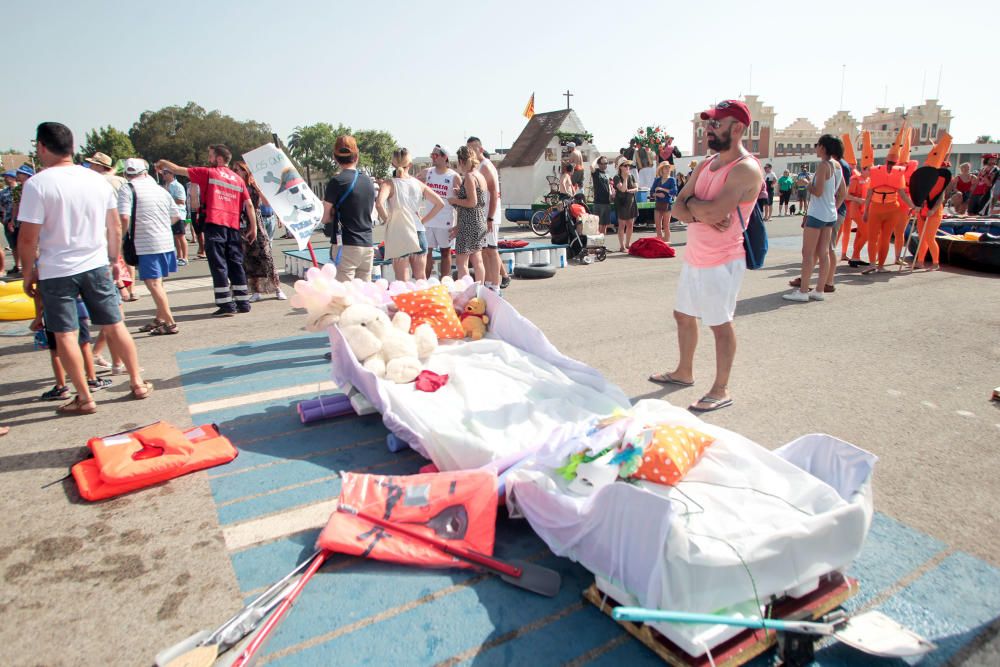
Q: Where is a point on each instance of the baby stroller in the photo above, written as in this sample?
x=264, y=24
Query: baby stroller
x=578, y=229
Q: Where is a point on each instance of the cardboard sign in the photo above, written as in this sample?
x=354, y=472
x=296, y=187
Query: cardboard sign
x=288, y=193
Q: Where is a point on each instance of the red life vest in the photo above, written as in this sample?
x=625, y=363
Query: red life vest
x=464, y=500
x=222, y=194
x=147, y=456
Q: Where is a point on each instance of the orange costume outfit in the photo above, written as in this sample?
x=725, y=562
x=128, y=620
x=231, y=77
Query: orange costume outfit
x=855, y=218
x=929, y=220
x=886, y=186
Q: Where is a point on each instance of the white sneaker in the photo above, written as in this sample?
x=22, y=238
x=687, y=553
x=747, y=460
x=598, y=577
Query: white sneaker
x=281, y=296
x=796, y=295
x=255, y=297
x=816, y=296
x=101, y=362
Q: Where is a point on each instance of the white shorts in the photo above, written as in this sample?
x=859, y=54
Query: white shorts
x=710, y=294
x=493, y=238
x=439, y=237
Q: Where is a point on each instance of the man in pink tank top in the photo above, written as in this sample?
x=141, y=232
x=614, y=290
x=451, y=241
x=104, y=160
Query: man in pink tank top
x=714, y=259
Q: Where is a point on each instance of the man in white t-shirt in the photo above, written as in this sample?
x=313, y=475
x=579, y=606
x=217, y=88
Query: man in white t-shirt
x=155, y=211
x=176, y=191
x=443, y=181
x=70, y=225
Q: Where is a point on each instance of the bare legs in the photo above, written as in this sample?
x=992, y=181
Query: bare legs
x=815, y=244
x=625, y=234
x=445, y=262
x=490, y=258
x=155, y=287
x=661, y=219
x=418, y=265
x=725, y=353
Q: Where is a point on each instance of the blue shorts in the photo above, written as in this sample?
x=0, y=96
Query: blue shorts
x=816, y=223
x=422, y=237
x=83, y=338
x=156, y=266
x=95, y=287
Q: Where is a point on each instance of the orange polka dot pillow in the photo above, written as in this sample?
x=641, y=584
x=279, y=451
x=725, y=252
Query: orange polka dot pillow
x=671, y=452
x=433, y=306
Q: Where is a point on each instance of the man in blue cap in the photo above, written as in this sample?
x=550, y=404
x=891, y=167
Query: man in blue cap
x=6, y=209
x=23, y=173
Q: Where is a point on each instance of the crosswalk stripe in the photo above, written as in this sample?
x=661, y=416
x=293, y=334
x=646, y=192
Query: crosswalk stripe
x=275, y=526
x=261, y=396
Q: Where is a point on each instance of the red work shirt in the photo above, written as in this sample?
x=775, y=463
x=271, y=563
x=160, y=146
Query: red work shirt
x=222, y=194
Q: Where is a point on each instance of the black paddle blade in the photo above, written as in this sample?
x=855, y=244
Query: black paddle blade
x=451, y=523
x=534, y=578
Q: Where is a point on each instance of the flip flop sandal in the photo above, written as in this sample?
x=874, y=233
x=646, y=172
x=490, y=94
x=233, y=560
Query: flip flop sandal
x=796, y=282
x=713, y=404
x=163, y=330
x=664, y=378
x=146, y=328
x=77, y=407
x=146, y=388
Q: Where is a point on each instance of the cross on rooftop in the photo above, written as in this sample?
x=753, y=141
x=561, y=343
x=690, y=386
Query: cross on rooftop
x=567, y=95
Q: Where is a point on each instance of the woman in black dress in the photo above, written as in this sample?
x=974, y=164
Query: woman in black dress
x=257, y=257
x=625, y=206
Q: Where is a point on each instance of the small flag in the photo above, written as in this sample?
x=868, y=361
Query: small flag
x=529, y=110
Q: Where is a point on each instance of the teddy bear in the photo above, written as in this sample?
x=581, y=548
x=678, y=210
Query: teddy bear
x=474, y=318
x=383, y=346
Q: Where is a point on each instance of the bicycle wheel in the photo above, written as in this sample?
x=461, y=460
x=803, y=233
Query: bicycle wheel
x=540, y=222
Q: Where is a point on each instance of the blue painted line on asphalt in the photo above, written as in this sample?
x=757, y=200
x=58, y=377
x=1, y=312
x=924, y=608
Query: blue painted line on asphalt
x=246, y=379
x=261, y=349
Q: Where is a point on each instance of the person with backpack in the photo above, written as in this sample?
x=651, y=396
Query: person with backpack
x=347, y=207
x=717, y=203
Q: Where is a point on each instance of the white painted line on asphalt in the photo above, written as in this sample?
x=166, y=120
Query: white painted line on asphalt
x=261, y=396
x=965, y=413
x=276, y=526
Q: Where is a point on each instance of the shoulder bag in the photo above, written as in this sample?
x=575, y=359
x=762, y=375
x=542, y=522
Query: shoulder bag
x=128, y=239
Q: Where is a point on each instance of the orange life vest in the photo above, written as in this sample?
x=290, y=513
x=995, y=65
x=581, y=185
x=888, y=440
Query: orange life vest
x=460, y=504
x=885, y=184
x=153, y=454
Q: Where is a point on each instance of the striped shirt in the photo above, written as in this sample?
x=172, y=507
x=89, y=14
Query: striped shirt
x=154, y=212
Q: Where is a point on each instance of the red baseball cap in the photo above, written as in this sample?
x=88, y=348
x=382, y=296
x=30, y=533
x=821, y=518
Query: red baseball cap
x=728, y=109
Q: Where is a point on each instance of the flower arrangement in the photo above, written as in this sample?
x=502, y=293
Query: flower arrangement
x=651, y=137
x=578, y=138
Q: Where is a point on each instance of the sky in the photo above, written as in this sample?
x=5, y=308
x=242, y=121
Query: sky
x=438, y=72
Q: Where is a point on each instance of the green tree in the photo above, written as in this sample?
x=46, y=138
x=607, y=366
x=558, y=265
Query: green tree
x=375, y=147
x=113, y=143
x=312, y=147
x=183, y=134
x=984, y=139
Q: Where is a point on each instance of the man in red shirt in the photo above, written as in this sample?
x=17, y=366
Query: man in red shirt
x=223, y=196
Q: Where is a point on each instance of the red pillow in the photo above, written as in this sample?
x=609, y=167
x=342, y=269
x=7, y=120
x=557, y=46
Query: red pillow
x=433, y=306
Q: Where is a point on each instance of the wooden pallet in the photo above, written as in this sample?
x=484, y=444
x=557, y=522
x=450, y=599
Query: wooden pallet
x=832, y=592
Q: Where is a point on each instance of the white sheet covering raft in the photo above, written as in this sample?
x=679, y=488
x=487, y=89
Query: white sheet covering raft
x=506, y=393
x=744, y=524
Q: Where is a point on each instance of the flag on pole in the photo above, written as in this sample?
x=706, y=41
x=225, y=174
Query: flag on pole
x=529, y=110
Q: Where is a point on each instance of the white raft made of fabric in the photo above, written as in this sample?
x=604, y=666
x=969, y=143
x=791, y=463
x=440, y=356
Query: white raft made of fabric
x=508, y=393
x=743, y=525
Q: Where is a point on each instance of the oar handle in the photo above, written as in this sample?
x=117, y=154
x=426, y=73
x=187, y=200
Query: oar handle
x=644, y=615
x=465, y=554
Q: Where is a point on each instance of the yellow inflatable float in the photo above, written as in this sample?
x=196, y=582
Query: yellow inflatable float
x=14, y=303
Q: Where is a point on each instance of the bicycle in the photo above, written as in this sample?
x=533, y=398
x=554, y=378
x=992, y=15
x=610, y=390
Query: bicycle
x=542, y=220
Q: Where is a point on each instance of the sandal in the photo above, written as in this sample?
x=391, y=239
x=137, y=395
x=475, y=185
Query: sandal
x=77, y=407
x=155, y=324
x=666, y=378
x=163, y=329
x=142, y=391
x=711, y=403
x=796, y=282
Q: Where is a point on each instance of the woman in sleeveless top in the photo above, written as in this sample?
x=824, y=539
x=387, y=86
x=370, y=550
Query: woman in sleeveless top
x=470, y=206
x=258, y=260
x=405, y=194
x=625, y=206
x=827, y=192
x=961, y=187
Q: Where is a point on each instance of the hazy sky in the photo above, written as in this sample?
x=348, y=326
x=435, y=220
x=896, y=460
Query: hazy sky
x=436, y=72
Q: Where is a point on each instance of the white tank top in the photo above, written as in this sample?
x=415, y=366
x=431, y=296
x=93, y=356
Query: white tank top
x=443, y=186
x=482, y=168
x=824, y=207
x=408, y=193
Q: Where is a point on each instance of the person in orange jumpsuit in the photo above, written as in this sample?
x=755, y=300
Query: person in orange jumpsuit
x=908, y=166
x=928, y=220
x=856, y=192
x=886, y=186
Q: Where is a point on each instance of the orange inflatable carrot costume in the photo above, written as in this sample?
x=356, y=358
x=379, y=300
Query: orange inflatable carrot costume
x=932, y=210
x=858, y=188
x=886, y=186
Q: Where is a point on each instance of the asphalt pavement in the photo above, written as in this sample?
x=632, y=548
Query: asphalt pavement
x=902, y=365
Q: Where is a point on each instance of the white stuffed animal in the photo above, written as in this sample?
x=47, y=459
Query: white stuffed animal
x=384, y=347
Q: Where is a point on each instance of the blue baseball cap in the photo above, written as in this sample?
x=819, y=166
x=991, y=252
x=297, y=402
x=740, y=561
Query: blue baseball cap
x=8, y=174
x=26, y=170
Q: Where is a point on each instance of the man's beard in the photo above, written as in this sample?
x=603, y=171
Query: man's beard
x=720, y=142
